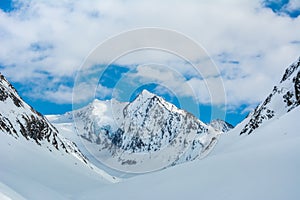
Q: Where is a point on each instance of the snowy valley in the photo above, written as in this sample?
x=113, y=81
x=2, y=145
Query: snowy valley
x=54, y=158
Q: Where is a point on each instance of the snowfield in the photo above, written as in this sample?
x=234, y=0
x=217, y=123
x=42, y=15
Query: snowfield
x=33, y=172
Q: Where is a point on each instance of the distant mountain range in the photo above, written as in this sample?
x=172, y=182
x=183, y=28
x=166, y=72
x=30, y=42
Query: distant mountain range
x=148, y=124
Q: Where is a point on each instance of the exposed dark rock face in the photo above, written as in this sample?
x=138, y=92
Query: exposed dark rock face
x=23, y=118
x=297, y=87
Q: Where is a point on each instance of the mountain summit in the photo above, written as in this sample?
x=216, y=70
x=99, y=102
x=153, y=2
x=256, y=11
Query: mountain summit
x=154, y=123
x=221, y=125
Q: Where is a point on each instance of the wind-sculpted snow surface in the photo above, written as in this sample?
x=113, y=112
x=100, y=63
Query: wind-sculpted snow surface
x=284, y=98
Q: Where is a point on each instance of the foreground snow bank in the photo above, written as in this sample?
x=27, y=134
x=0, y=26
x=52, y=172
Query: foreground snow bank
x=34, y=172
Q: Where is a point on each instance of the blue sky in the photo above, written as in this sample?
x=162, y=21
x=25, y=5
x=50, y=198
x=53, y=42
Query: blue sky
x=282, y=7
x=44, y=43
x=6, y=5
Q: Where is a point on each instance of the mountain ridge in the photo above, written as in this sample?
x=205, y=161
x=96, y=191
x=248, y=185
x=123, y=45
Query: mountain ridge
x=284, y=97
x=19, y=119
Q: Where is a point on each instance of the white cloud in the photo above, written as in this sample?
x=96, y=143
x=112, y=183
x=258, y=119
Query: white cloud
x=293, y=5
x=161, y=75
x=258, y=39
x=61, y=94
x=168, y=79
x=103, y=92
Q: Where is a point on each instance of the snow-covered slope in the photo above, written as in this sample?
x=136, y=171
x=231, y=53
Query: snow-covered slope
x=18, y=119
x=263, y=165
x=284, y=98
x=33, y=172
x=128, y=134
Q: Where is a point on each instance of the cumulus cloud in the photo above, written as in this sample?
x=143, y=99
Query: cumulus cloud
x=161, y=75
x=61, y=94
x=103, y=92
x=250, y=44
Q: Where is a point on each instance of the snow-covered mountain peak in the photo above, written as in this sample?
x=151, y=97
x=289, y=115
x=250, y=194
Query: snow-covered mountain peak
x=146, y=94
x=221, y=125
x=142, y=100
x=99, y=108
x=146, y=100
x=144, y=126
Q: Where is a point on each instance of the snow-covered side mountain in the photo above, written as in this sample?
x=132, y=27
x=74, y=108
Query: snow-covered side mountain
x=36, y=161
x=146, y=125
x=284, y=98
x=221, y=125
x=18, y=119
